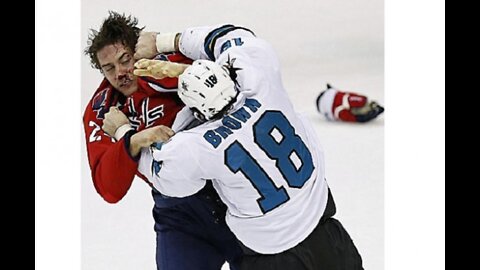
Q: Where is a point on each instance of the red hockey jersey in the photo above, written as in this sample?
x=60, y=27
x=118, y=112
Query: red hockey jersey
x=154, y=103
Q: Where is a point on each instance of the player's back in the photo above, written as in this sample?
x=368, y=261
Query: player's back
x=267, y=166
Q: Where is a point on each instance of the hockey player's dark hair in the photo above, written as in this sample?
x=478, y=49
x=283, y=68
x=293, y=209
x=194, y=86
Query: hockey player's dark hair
x=116, y=28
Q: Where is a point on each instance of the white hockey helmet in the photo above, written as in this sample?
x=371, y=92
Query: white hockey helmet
x=206, y=87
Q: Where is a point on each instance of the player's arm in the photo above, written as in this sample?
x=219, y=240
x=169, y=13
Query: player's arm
x=195, y=42
x=164, y=68
x=173, y=167
x=112, y=167
x=170, y=180
x=250, y=60
x=117, y=125
x=232, y=46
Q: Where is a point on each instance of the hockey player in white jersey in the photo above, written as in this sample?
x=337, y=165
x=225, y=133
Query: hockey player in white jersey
x=263, y=158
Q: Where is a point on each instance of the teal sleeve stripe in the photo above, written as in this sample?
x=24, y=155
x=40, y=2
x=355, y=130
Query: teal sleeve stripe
x=212, y=37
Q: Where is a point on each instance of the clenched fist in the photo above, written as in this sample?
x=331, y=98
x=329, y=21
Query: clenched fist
x=146, y=45
x=158, y=69
x=113, y=120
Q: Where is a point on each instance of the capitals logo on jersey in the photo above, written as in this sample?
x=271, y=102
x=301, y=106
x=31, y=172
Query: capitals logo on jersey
x=148, y=114
x=98, y=103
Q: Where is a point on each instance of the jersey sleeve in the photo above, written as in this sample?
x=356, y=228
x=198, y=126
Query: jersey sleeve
x=112, y=167
x=249, y=59
x=173, y=167
x=183, y=120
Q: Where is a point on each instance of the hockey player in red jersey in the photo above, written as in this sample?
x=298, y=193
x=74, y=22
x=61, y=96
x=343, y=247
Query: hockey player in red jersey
x=113, y=168
x=181, y=224
x=338, y=105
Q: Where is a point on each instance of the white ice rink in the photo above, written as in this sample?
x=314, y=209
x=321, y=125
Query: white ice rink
x=340, y=42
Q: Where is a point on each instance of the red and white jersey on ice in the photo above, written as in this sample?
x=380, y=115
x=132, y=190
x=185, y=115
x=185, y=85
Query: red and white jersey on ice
x=154, y=103
x=264, y=159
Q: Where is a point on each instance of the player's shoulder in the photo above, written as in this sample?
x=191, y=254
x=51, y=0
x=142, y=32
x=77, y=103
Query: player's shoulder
x=187, y=138
x=181, y=149
x=103, y=88
x=98, y=102
x=191, y=140
x=176, y=57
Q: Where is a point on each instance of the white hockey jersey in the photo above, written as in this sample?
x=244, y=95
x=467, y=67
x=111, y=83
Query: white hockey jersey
x=263, y=158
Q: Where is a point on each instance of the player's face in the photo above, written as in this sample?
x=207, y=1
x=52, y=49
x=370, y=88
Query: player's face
x=117, y=62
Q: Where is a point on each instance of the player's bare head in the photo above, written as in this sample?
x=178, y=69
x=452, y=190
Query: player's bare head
x=207, y=89
x=116, y=28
